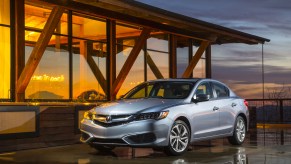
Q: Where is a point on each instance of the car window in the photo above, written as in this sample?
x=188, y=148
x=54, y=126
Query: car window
x=166, y=90
x=204, y=88
x=142, y=92
x=221, y=90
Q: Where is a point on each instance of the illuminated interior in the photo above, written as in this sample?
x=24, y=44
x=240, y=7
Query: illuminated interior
x=86, y=43
x=5, y=49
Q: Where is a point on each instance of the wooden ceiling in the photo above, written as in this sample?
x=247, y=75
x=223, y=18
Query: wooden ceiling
x=140, y=14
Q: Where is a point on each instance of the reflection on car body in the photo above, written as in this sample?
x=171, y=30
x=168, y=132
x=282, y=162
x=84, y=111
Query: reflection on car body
x=168, y=114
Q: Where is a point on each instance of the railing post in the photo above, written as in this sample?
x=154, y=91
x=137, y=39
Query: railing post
x=281, y=111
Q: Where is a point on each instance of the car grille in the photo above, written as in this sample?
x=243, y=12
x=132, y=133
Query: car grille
x=112, y=120
x=108, y=141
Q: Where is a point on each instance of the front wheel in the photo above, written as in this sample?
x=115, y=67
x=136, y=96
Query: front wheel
x=239, y=132
x=179, y=139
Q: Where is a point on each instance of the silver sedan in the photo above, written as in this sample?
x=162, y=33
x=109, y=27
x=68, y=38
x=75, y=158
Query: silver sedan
x=168, y=114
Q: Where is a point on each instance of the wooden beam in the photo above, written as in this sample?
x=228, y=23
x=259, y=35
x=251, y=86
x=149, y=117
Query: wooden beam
x=208, y=62
x=86, y=48
x=173, y=56
x=130, y=60
x=111, y=57
x=19, y=45
x=195, y=59
x=39, y=49
x=154, y=67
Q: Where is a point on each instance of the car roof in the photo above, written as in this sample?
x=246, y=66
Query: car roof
x=177, y=79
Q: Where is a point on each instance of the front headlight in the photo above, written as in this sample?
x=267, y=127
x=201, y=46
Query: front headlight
x=88, y=115
x=152, y=115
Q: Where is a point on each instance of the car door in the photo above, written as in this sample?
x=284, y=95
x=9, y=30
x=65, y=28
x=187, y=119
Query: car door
x=205, y=117
x=226, y=107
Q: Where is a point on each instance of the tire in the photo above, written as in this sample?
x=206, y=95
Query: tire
x=179, y=139
x=239, y=132
x=103, y=148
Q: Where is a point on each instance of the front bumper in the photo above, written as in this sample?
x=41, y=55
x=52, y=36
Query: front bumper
x=145, y=133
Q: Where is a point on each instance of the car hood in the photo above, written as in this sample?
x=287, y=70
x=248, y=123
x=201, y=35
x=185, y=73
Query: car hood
x=133, y=106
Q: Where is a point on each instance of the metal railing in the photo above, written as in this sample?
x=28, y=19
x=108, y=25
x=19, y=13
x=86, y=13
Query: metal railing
x=270, y=121
x=270, y=110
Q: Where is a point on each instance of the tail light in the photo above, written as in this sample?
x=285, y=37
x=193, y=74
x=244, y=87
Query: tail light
x=246, y=104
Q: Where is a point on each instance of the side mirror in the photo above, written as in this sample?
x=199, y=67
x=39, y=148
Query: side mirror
x=201, y=97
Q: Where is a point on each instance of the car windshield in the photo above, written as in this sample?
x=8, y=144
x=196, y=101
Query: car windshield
x=164, y=90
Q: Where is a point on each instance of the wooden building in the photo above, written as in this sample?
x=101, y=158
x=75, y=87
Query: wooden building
x=61, y=57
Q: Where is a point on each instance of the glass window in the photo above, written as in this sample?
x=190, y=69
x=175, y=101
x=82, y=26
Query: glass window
x=126, y=36
x=5, y=12
x=204, y=88
x=161, y=60
x=85, y=84
x=158, y=51
x=221, y=90
x=200, y=70
x=182, y=55
x=89, y=28
x=51, y=77
x=4, y=62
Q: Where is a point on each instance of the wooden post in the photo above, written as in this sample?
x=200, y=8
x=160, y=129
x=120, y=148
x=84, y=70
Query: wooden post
x=208, y=62
x=19, y=44
x=195, y=59
x=38, y=50
x=172, y=56
x=111, y=58
x=130, y=60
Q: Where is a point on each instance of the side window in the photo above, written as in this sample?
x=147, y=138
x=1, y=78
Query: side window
x=204, y=88
x=221, y=90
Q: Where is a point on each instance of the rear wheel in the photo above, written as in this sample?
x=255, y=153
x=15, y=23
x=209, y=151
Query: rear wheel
x=179, y=139
x=239, y=132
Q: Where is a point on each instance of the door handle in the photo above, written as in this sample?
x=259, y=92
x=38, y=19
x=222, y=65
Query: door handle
x=233, y=104
x=215, y=108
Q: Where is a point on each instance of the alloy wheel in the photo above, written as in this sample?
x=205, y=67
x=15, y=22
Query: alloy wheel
x=179, y=138
x=240, y=130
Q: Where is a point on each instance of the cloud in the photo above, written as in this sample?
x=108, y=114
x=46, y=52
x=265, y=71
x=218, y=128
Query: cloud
x=252, y=74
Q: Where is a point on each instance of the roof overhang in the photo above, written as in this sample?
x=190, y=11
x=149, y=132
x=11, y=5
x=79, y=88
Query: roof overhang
x=152, y=17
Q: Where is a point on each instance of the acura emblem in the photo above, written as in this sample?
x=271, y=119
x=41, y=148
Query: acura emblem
x=108, y=119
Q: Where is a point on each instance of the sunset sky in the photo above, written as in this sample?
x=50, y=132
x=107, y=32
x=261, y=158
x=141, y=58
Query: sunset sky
x=239, y=65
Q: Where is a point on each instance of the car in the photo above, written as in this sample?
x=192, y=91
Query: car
x=168, y=114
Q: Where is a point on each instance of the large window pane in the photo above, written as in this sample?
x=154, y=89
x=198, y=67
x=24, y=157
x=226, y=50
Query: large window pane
x=158, y=42
x=89, y=58
x=89, y=28
x=200, y=70
x=161, y=60
x=85, y=84
x=51, y=78
x=182, y=55
x=158, y=51
x=126, y=36
x=4, y=62
x=5, y=12
x=135, y=76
